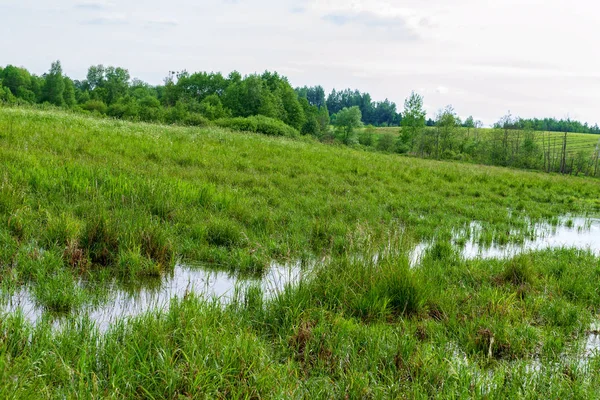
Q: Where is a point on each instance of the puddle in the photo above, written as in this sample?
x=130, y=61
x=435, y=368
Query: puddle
x=577, y=233
x=592, y=343
x=220, y=286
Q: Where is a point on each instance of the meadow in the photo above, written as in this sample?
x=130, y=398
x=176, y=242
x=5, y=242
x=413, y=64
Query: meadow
x=576, y=142
x=86, y=201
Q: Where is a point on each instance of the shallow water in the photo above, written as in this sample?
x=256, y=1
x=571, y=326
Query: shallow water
x=579, y=233
x=573, y=233
x=220, y=286
x=592, y=342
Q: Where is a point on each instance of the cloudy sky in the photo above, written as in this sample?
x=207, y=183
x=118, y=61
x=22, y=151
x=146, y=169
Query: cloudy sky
x=532, y=57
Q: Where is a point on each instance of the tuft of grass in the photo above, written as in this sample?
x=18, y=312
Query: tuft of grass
x=55, y=288
x=518, y=271
x=223, y=233
x=100, y=239
x=133, y=265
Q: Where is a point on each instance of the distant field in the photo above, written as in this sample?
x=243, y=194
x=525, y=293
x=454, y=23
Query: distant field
x=575, y=141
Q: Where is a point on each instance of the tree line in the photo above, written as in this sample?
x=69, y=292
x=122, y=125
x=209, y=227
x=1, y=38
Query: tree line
x=111, y=91
x=191, y=98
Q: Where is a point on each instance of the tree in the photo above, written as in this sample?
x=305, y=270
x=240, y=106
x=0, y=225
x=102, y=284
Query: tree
x=116, y=84
x=249, y=96
x=14, y=77
x=69, y=93
x=469, y=124
x=293, y=111
x=54, y=87
x=347, y=121
x=212, y=108
x=95, y=76
x=446, y=123
x=413, y=122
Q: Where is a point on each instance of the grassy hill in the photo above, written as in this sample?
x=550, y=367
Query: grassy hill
x=85, y=200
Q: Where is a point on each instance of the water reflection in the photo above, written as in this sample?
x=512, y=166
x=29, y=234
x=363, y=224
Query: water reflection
x=220, y=286
x=573, y=233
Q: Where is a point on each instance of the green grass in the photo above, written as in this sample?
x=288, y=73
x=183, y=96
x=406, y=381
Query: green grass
x=576, y=142
x=84, y=200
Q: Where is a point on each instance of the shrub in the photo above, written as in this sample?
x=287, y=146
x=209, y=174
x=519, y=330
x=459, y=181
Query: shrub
x=366, y=137
x=195, y=119
x=386, y=142
x=95, y=106
x=258, y=124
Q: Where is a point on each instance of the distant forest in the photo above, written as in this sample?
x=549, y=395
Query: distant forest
x=196, y=98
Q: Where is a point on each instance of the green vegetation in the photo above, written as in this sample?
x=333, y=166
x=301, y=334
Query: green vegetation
x=267, y=103
x=84, y=200
x=567, y=153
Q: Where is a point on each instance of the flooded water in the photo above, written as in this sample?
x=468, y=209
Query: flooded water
x=571, y=233
x=219, y=286
x=592, y=342
x=579, y=233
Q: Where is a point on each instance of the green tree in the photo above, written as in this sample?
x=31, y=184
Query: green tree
x=347, y=121
x=212, y=108
x=54, y=87
x=413, y=122
x=116, y=84
x=14, y=78
x=293, y=112
x=69, y=93
x=446, y=124
x=251, y=96
x=95, y=76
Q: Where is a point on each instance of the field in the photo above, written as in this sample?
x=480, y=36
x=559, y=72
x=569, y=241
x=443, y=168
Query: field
x=87, y=205
x=576, y=142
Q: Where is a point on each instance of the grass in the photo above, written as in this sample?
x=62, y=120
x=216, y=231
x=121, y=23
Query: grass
x=576, y=142
x=85, y=201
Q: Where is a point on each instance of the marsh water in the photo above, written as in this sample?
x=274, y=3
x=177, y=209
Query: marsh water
x=570, y=233
x=579, y=233
x=218, y=286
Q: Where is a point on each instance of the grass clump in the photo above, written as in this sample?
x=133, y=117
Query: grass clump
x=157, y=246
x=518, y=271
x=132, y=264
x=399, y=290
x=100, y=239
x=223, y=233
x=56, y=288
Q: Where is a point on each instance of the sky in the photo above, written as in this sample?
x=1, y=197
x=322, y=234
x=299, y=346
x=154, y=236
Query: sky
x=531, y=58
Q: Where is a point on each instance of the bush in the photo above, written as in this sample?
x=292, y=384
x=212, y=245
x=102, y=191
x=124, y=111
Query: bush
x=366, y=137
x=386, y=142
x=195, y=119
x=95, y=106
x=258, y=124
